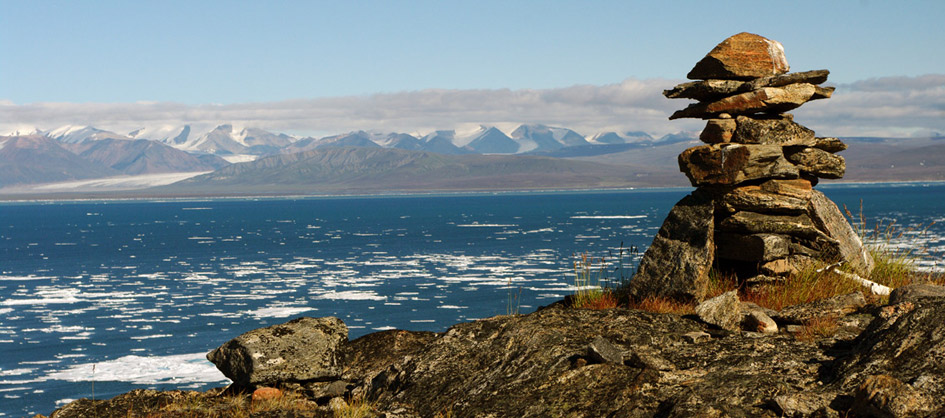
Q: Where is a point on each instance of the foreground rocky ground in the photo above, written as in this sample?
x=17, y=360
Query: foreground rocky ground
x=882, y=361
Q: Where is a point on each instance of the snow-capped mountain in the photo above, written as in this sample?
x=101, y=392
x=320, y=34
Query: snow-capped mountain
x=76, y=134
x=490, y=140
x=545, y=138
x=628, y=137
x=226, y=140
x=168, y=134
x=23, y=131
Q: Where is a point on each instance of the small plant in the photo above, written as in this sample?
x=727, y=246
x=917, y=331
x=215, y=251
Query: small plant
x=514, y=301
x=357, y=407
x=591, y=285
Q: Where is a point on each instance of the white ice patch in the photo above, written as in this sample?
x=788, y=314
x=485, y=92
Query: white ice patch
x=47, y=296
x=351, y=295
x=277, y=311
x=608, y=217
x=479, y=225
x=176, y=369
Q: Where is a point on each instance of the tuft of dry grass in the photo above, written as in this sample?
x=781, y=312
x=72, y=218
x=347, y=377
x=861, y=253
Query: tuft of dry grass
x=808, y=285
x=662, y=305
x=195, y=404
x=720, y=283
x=357, y=407
x=824, y=326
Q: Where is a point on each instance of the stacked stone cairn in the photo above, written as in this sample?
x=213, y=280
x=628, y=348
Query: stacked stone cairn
x=754, y=211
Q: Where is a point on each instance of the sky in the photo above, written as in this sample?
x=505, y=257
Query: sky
x=308, y=67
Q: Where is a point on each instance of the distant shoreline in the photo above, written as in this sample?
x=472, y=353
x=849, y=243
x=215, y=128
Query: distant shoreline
x=141, y=195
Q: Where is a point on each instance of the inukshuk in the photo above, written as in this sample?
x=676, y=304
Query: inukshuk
x=754, y=211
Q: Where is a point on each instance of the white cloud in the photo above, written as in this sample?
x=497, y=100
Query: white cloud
x=891, y=106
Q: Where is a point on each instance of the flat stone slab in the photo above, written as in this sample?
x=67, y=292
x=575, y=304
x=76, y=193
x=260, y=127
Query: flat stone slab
x=773, y=196
x=763, y=100
x=712, y=90
x=731, y=164
x=828, y=218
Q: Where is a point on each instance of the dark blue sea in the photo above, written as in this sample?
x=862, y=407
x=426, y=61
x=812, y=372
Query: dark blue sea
x=101, y=297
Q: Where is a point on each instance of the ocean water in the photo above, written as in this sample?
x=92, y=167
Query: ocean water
x=101, y=297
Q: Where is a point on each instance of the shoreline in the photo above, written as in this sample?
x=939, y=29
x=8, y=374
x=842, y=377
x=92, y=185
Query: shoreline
x=130, y=195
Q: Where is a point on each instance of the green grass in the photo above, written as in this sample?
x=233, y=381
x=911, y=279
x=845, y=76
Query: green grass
x=895, y=250
x=592, y=286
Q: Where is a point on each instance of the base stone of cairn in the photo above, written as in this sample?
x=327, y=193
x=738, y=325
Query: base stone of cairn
x=754, y=211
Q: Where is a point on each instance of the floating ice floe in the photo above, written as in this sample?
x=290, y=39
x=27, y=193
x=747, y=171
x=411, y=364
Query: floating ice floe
x=177, y=369
x=350, y=295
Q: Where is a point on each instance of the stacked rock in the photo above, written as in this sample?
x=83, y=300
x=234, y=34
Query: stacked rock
x=754, y=211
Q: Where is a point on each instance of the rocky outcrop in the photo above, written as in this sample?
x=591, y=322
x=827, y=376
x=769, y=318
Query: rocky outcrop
x=758, y=170
x=560, y=361
x=304, y=349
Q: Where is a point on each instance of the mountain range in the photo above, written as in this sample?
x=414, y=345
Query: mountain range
x=83, y=152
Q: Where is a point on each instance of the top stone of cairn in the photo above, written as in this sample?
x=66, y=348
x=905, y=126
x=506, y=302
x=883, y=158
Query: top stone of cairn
x=744, y=56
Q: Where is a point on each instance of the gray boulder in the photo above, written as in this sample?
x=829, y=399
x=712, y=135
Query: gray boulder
x=723, y=311
x=303, y=349
x=914, y=292
x=677, y=264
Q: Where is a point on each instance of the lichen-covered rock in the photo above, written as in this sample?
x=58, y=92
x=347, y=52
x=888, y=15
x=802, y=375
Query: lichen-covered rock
x=524, y=366
x=777, y=130
x=835, y=307
x=817, y=162
x=829, y=144
x=731, y=164
x=302, y=349
x=723, y=311
x=909, y=346
x=915, y=292
x=885, y=396
x=741, y=57
x=677, y=263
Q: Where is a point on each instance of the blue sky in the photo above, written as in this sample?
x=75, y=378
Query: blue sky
x=200, y=53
